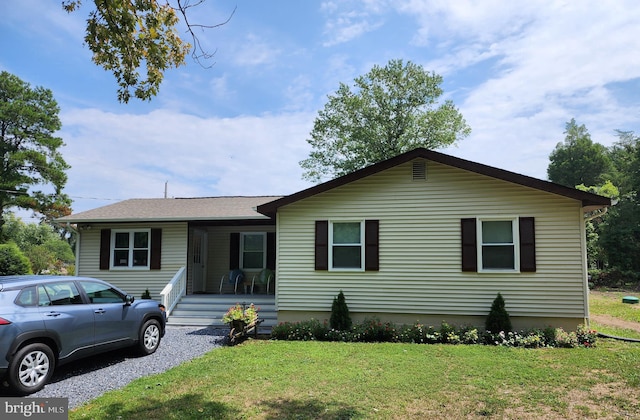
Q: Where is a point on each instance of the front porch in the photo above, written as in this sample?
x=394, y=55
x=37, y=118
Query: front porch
x=208, y=309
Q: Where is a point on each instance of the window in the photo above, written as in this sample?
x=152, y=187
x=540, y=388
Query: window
x=252, y=250
x=63, y=293
x=498, y=248
x=498, y=244
x=130, y=248
x=345, y=239
x=101, y=293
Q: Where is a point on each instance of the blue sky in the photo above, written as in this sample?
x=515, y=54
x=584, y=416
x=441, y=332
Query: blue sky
x=518, y=71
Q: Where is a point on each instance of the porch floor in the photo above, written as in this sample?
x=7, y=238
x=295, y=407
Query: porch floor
x=207, y=310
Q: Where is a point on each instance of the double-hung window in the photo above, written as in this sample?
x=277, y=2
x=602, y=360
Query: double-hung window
x=253, y=250
x=130, y=248
x=499, y=245
x=346, y=245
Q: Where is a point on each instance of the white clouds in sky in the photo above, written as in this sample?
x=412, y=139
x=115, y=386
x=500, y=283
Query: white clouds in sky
x=518, y=71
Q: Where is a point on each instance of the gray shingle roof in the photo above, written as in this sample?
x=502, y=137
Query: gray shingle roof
x=174, y=209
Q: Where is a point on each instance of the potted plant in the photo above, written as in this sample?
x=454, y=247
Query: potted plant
x=239, y=316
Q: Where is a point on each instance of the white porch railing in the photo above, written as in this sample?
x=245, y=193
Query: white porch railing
x=174, y=290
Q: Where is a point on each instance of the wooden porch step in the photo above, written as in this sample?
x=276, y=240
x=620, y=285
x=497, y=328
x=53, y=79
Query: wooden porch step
x=207, y=310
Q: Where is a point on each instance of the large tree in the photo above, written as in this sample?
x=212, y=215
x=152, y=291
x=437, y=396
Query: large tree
x=578, y=160
x=388, y=111
x=127, y=35
x=29, y=150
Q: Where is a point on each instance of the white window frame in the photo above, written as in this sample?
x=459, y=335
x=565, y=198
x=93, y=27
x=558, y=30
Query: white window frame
x=131, y=248
x=264, y=250
x=516, y=244
x=361, y=245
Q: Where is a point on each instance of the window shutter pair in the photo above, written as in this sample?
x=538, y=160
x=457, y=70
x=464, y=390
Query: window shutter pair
x=527, y=244
x=234, y=250
x=156, y=249
x=371, y=245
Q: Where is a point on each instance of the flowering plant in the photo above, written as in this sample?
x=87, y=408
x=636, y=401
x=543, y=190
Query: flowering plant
x=238, y=312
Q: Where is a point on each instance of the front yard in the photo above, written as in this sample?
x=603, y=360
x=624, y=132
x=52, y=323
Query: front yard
x=311, y=380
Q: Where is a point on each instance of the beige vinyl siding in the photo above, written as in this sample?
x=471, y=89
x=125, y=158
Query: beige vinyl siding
x=420, y=247
x=135, y=282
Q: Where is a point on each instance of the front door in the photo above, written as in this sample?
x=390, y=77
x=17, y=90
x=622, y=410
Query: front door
x=199, y=260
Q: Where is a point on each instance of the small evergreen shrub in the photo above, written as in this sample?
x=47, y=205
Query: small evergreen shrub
x=146, y=294
x=13, y=261
x=498, y=318
x=340, y=318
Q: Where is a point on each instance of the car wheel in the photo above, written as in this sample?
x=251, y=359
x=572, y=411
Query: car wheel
x=149, y=339
x=31, y=368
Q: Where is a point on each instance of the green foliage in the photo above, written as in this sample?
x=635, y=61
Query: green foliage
x=620, y=236
x=46, y=251
x=340, y=318
x=578, y=160
x=498, y=319
x=13, y=261
x=29, y=151
x=124, y=36
x=146, y=294
x=389, y=111
x=372, y=330
x=311, y=330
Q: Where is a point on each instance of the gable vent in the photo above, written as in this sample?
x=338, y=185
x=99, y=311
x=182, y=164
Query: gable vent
x=419, y=170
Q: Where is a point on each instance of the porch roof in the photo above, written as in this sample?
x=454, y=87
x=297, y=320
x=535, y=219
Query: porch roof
x=174, y=209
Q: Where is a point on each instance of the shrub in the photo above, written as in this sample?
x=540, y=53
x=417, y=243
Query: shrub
x=585, y=336
x=311, y=330
x=418, y=333
x=340, y=318
x=13, y=261
x=498, y=318
x=371, y=330
x=565, y=339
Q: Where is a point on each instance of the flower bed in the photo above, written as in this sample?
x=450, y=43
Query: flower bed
x=373, y=330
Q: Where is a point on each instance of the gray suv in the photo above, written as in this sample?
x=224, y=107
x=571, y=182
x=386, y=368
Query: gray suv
x=46, y=321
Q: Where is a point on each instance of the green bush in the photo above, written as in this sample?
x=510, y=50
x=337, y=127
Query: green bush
x=373, y=330
x=311, y=330
x=13, y=261
x=340, y=318
x=498, y=318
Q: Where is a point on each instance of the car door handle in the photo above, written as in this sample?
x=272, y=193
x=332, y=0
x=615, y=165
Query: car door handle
x=54, y=314
x=99, y=311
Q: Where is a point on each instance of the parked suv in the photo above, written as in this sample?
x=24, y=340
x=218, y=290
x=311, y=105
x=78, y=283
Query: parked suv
x=46, y=321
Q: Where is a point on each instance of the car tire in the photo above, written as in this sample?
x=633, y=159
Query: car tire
x=31, y=368
x=150, y=335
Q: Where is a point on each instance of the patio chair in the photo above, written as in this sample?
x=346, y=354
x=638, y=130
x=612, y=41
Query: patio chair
x=265, y=277
x=235, y=276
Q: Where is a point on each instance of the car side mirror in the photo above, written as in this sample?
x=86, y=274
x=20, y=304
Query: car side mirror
x=128, y=299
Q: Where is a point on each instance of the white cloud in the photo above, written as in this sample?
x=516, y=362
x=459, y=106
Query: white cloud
x=255, y=51
x=125, y=156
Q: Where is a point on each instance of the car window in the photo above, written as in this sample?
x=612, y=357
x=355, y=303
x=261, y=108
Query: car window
x=63, y=293
x=43, y=297
x=101, y=293
x=27, y=297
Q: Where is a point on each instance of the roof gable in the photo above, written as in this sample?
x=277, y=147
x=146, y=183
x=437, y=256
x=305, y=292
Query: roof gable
x=588, y=200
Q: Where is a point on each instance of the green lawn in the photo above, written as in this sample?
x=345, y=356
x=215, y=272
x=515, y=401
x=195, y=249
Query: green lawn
x=311, y=380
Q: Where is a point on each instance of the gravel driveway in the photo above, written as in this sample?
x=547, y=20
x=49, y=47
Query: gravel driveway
x=89, y=378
